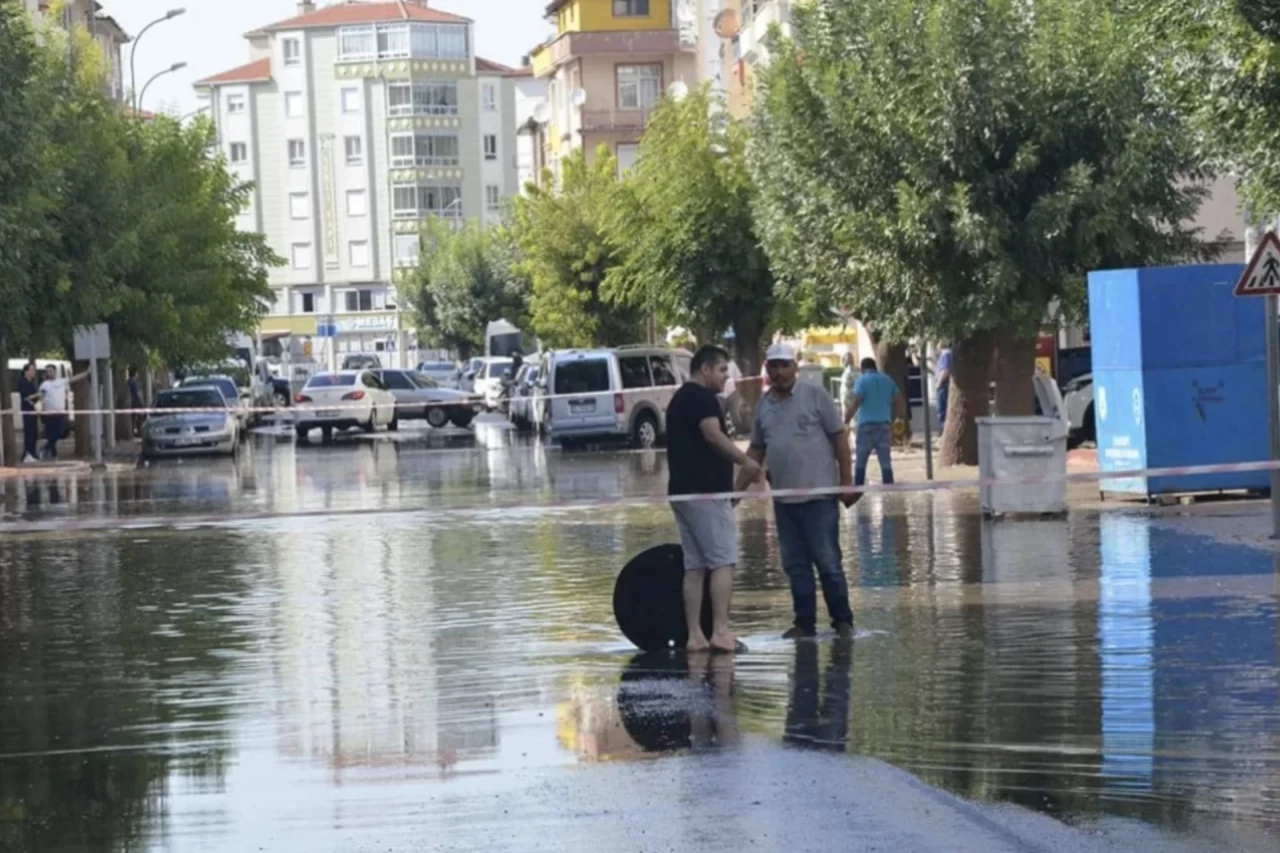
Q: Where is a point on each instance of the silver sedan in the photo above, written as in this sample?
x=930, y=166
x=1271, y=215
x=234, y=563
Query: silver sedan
x=189, y=421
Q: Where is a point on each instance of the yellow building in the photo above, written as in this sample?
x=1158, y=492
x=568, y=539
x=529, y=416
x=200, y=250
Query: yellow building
x=607, y=67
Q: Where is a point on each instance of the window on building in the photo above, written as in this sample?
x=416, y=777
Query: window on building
x=236, y=104
x=404, y=201
x=299, y=206
x=356, y=43
x=423, y=98
x=297, y=153
x=239, y=152
x=627, y=154
x=630, y=8
x=492, y=198
x=293, y=104
x=407, y=247
x=412, y=200
x=358, y=253
x=353, y=146
x=292, y=51
x=490, y=146
x=490, y=97
x=358, y=300
x=357, y=203
x=424, y=149
x=301, y=256
x=308, y=303
x=639, y=86
x=393, y=42
x=351, y=101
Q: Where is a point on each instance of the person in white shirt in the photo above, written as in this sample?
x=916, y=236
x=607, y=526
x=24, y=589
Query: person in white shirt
x=53, y=394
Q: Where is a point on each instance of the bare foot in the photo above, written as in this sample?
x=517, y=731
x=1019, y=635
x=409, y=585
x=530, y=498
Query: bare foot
x=724, y=642
x=697, y=643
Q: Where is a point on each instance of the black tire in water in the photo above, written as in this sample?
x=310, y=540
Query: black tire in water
x=644, y=434
x=437, y=416
x=462, y=420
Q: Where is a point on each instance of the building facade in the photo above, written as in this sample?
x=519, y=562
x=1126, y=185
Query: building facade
x=606, y=67
x=356, y=122
x=111, y=38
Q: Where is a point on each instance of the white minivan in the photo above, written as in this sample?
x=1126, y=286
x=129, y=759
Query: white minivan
x=612, y=393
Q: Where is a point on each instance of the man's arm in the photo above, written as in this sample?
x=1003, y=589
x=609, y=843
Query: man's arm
x=723, y=445
x=853, y=408
x=756, y=455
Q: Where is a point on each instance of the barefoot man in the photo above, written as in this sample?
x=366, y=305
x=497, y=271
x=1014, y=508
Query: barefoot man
x=700, y=459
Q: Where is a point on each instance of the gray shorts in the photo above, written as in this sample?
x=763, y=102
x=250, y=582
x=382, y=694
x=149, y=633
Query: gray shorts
x=708, y=534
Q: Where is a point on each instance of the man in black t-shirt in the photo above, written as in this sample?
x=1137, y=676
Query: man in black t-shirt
x=28, y=389
x=700, y=459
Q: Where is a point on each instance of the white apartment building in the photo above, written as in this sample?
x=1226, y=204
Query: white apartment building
x=109, y=35
x=356, y=122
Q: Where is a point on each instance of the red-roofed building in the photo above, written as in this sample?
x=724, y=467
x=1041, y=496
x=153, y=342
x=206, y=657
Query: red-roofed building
x=355, y=121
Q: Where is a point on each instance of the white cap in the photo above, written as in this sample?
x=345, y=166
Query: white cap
x=780, y=352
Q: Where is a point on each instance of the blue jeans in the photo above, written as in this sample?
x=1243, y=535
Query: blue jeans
x=873, y=437
x=54, y=427
x=809, y=535
x=943, y=392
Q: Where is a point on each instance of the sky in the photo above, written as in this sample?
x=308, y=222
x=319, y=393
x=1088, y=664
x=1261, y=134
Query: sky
x=210, y=37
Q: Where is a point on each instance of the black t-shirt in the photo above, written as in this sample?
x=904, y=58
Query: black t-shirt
x=27, y=388
x=695, y=466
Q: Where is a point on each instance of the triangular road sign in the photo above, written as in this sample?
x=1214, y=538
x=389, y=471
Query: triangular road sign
x=1262, y=276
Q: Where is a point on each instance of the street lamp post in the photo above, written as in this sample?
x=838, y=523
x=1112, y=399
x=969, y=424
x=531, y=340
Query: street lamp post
x=133, y=51
x=177, y=66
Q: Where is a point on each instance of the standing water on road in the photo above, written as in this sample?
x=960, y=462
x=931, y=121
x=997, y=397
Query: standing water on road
x=413, y=680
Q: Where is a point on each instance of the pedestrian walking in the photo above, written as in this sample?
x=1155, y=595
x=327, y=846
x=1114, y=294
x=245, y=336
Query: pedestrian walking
x=700, y=460
x=944, y=384
x=876, y=400
x=135, y=401
x=848, y=378
x=53, y=393
x=800, y=433
x=28, y=393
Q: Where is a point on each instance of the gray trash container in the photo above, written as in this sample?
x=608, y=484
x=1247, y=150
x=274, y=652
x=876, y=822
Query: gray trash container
x=1017, y=448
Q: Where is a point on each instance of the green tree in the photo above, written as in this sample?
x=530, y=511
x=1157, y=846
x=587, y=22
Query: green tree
x=684, y=230
x=567, y=255
x=950, y=167
x=467, y=278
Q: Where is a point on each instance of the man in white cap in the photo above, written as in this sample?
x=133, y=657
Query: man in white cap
x=798, y=428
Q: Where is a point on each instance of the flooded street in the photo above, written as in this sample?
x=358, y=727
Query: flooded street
x=432, y=673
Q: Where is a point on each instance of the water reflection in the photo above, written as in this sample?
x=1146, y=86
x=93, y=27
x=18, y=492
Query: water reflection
x=188, y=689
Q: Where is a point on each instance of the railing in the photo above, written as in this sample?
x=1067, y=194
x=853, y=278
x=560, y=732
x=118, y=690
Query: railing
x=626, y=120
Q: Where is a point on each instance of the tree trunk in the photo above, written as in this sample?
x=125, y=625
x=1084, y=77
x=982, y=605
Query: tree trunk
x=967, y=399
x=892, y=360
x=748, y=332
x=1015, y=365
x=8, y=435
x=83, y=391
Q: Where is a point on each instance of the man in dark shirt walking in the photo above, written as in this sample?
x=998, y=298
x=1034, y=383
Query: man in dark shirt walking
x=700, y=460
x=28, y=388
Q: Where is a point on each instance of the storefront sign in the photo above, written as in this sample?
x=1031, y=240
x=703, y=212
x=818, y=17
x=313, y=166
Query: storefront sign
x=373, y=323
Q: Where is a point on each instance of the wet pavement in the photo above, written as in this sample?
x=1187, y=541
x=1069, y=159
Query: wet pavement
x=432, y=673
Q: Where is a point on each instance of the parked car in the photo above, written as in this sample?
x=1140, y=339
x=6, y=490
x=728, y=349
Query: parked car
x=418, y=397
x=524, y=389
x=613, y=393
x=227, y=387
x=489, y=379
x=361, y=361
x=467, y=379
x=341, y=401
x=1078, y=404
x=444, y=373
x=214, y=428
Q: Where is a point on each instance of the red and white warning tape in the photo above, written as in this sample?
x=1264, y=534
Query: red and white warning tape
x=127, y=523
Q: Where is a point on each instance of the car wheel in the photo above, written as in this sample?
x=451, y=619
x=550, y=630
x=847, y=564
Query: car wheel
x=645, y=432
x=326, y=434
x=1089, y=429
x=437, y=416
x=394, y=426
x=302, y=433
x=462, y=420
x=373, y=421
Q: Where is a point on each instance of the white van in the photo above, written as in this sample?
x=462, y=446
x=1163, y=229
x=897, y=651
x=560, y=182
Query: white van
x=612, y=393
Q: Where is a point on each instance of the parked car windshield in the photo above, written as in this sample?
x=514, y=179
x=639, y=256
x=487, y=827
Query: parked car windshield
x=331, y=380
x=436, y=367
x=190, y=398
x=226, y=386
x=423, y=381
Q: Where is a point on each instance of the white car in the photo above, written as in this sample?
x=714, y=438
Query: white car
x=343, y=400
x=488, y=382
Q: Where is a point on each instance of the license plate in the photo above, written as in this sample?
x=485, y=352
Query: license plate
x=327, y=413
x=188, y=442
x=582, y=408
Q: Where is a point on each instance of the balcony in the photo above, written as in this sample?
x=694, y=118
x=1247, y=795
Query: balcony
x=757, y=17
x=624, y=121
x=626, y=43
